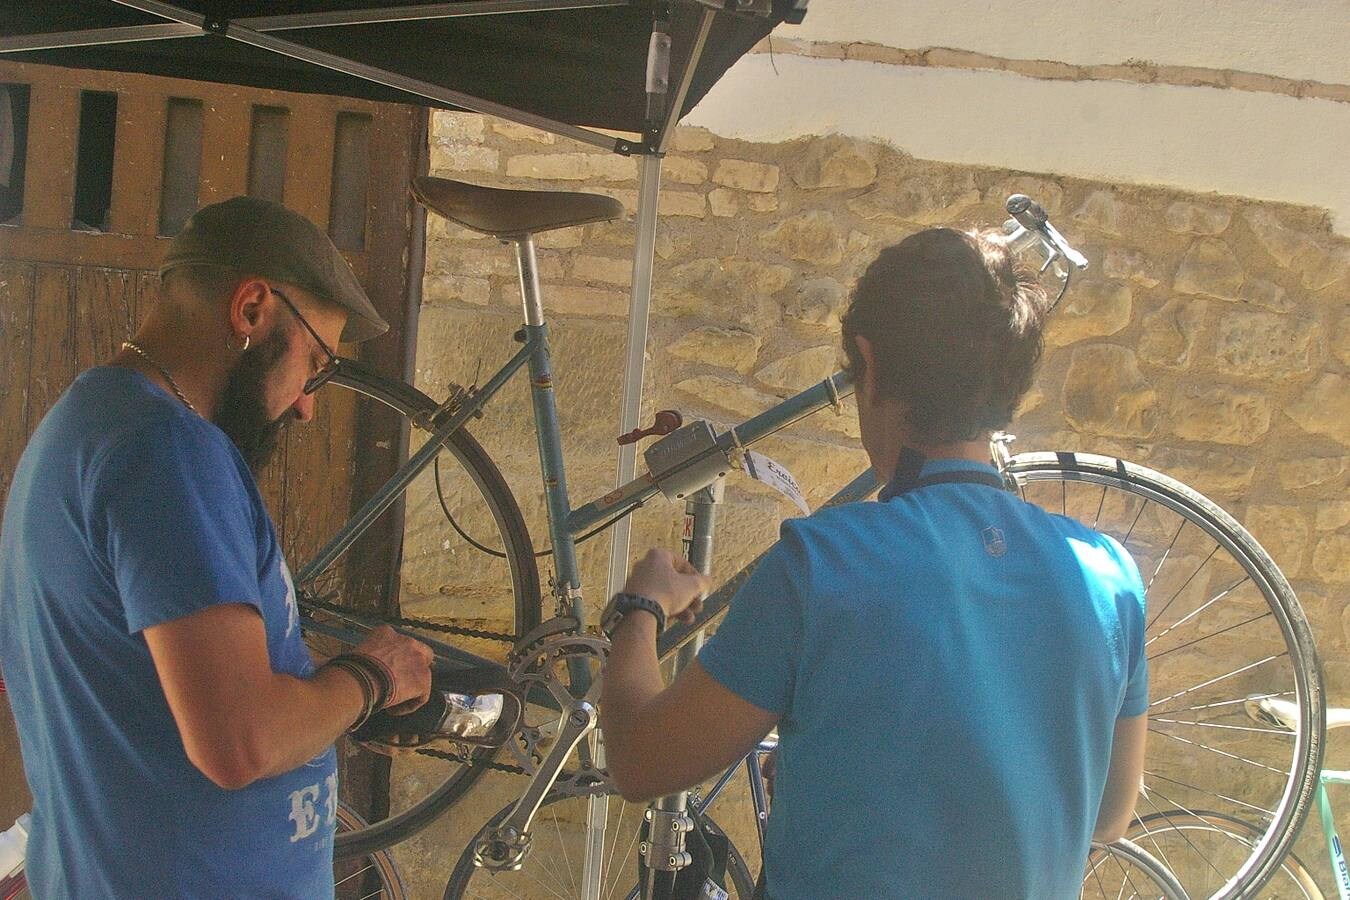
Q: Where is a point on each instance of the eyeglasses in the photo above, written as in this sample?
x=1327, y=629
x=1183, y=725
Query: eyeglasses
x=330, y=367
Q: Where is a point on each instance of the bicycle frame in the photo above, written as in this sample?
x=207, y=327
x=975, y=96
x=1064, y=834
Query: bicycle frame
x=1340, y=873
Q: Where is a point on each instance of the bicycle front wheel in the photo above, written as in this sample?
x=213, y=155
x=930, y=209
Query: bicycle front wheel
x=1125, y=871
x=467, y=578
x=1207, y=841
x=1223, y=625
x=555, y=865
x=370, y=877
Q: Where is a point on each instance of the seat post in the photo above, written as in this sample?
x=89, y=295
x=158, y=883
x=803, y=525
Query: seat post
x=528, y=266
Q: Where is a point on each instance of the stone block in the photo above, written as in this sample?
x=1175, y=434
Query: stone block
x=1268, y=294
x=1319, y=262
x=1105, y=392
x=1044, y=191
x=1044, y=68
x=560, y=238
x=1332, y=515
x=730, y=288
x=1208, y=471
x=1330, y=267
x=1324, y=408
x=723, y=393
x=437, y=289
x=1092, y=309
x=817, y=302
x=947, y=58
x=1104, y=211
x=1312, y=471
x=725, y=347
x=843, y=422
x=1262, y=344
x=1220, y=414
x=1340, y=341
x=723, y=203
x=1211, y=268
x=835, y=162
x=1137, y=72
x=762, y=202
x=573, y=300
x=1196, y=218
x=1132, y=266
x=683, y=203
x=602, y=268
x=1260, y=83
x=688, y=139
x=1331, y=559
x=573, y=167
x=879, y=53
x=683, y=170
x=745, y=175
x=812, y=237
x=1284, y=533
x=799, y=371
x=1193, y=76
x=514, y=132
x=447, y=159
x=1170, y=333
x=933, y=199
x=457, y=127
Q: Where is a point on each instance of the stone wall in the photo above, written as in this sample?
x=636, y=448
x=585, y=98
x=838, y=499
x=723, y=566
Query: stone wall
x=1210, y=339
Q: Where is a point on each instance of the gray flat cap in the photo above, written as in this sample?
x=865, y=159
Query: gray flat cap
x=259, y=237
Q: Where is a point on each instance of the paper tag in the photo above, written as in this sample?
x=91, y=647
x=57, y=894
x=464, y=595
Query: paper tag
x=714, y=891
x=766, y=471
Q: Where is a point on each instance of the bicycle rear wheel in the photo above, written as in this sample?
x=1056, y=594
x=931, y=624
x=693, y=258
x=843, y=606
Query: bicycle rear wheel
x=1222, y=625
x=466, y=564
x=1124, y=871
x=553, y=866
x=370, y=877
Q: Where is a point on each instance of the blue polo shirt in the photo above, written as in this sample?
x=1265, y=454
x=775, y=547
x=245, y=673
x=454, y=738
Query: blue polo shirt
x=948, y=667
x=128, y=511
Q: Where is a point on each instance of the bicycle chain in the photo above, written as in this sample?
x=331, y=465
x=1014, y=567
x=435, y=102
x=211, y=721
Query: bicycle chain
x=567, y=780
x=425, y=624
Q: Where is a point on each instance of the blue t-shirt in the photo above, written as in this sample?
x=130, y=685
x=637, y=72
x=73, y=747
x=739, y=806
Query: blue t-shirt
x=127, y=511
x=948, y=666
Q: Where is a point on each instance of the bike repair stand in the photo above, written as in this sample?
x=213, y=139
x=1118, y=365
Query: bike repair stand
x=668, y=822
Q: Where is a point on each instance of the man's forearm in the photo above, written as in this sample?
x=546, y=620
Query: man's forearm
x=310, y=716
x=632, y=680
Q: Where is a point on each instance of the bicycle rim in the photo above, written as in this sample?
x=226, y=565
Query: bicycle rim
x=1223, y=625
x=445, y=580
x=1125, y=871
x=552, y=869
x=369, y=877
x=1212, y=842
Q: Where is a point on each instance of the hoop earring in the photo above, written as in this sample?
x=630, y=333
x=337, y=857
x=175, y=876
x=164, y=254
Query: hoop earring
x=229, y=343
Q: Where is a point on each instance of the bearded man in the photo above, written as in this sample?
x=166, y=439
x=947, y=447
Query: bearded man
x=176, y=736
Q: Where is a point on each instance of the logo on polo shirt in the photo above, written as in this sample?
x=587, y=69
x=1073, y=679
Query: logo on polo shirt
x=994, y=544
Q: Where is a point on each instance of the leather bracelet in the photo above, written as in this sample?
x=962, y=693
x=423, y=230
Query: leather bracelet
x=364, y=681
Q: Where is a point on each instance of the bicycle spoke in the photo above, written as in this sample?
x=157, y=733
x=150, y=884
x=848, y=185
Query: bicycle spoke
x=1182, y=709
x=1143, y=504
x=1250, y=762
x=1177, y=594
x=1100, y=504
x=1185, y=837
x=567, y=862
x=1265, y=813
x=1214, y=680
x=362, y=871
x=1212, y=634
x=1278, y=731
x=1197, y=611
x=535, y=878
x=1166, y=553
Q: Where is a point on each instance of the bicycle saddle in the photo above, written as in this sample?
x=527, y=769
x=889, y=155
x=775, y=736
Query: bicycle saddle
x=507, y=212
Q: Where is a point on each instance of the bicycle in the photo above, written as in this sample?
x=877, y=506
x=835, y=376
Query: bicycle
x=1214, y=593
x=370, y=877
x=1209, y=842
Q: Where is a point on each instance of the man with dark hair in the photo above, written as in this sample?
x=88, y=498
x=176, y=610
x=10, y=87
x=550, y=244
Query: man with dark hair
x=176, y=736
x=957, y=677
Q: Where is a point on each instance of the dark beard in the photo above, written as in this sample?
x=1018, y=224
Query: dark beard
x=242, y=412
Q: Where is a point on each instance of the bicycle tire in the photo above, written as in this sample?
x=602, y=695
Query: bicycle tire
x=466, y=875
x=370, y=877
x=1124, y=869
x=433, y=784
x=1193, y=834
x=1203, y=752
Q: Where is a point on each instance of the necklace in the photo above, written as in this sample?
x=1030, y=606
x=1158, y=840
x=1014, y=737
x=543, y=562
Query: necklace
x=177, y=392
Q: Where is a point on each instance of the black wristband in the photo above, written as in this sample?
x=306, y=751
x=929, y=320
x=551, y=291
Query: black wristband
x=621, y=604
x=375, y=679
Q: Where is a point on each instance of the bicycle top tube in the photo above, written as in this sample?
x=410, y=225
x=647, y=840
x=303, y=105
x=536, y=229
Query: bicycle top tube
x=728, y=444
